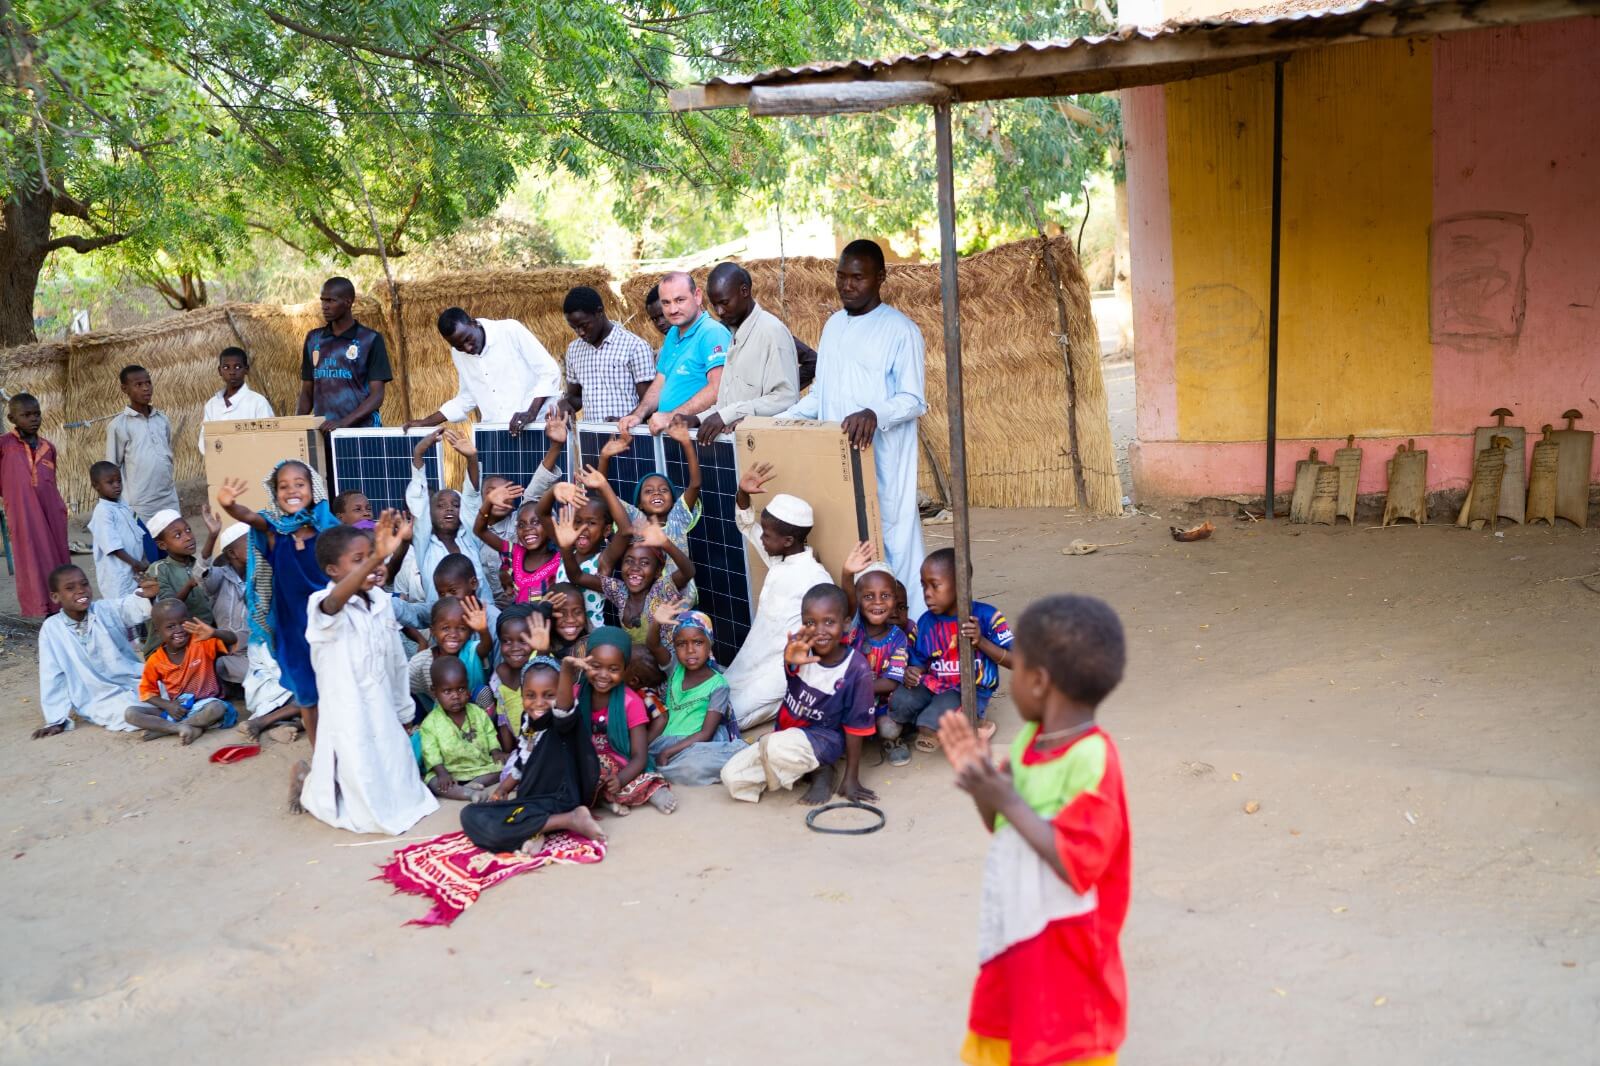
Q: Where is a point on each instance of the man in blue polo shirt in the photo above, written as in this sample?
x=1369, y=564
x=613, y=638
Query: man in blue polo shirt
x=689, y=368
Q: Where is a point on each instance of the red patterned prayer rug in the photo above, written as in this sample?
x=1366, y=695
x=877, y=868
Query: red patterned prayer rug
x=453, y=871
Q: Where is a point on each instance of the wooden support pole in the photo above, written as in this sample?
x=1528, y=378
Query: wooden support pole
x=950, y=297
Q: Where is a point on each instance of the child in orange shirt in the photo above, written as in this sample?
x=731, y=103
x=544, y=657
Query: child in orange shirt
x=179, y=686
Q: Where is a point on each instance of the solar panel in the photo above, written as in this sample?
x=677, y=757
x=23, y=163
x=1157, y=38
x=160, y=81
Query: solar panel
x=378, y=463
x=642, y=458
x=514, y=458
x=721, y=570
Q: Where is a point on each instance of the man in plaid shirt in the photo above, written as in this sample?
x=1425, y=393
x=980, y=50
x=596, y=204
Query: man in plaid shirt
x=608, y=368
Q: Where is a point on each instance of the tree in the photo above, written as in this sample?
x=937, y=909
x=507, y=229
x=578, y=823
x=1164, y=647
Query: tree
x=170, y=130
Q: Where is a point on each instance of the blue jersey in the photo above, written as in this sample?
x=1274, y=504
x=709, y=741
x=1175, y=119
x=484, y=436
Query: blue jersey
x=938, y=649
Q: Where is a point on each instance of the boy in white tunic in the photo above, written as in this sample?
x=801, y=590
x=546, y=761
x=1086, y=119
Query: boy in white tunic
x=363, y=776
x=86, y=664
x=755, y=677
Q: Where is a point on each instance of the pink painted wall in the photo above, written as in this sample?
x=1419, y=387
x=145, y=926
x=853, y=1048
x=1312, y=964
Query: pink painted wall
x=1144, y=126
x=1514, y=263
x=1516, y=137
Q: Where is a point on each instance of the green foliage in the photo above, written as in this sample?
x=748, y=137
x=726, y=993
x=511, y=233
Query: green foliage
x=174, y=131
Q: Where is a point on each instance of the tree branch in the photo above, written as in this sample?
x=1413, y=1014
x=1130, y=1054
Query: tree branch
x=269, y=231
x=354, y=251
x=84, y=245
x=427, y=59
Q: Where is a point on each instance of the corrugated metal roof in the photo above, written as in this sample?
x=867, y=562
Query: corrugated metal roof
x=1139, y=55
x=1059, y=44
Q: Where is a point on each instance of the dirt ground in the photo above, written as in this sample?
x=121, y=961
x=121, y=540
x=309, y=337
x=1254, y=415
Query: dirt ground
x=1413, y=709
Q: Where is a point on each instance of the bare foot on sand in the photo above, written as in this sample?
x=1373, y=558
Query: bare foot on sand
x=189, y=733
x=582, y=822
x=619, y=810
x=820, y=787
x=663, y=800
x=297, y=781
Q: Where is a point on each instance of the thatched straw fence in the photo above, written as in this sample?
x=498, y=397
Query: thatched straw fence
x=1014, y=376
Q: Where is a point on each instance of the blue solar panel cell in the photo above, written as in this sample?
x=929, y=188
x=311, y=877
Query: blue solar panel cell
x=515, y=458
x=378, y=463
x=715, y=543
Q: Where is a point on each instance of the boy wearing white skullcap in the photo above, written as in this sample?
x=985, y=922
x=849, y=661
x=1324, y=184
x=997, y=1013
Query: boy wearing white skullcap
x=249, y=663
x=179, y=574
x=755, y=677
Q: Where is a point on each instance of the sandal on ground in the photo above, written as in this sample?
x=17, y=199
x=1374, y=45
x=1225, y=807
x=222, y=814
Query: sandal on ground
x=896, y=752
x=927, y=742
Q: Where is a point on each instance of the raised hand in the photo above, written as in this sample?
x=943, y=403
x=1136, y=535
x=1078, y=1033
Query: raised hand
x=593, y=479
x=229, y=491
x=538, y=633
x=461, y=442
x=679, y=431
x=566, y=528
x=616, y=446
x=423, y=446
x=199, y=630
x=387, y=531
x=555, y=426
x=504, y=495
x=570, y=494
x=213, y=523
x=666, y=614
x=476, y=615
x=755, y=479
x=654, y=536
x=798, y=651
x=959, y=741
x=859, y=559
x=556, y=600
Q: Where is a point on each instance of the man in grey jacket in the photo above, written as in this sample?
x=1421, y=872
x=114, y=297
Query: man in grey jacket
x=761, y=376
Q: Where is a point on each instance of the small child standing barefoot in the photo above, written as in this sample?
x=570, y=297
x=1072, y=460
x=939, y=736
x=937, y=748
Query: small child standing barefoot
x=363, y=776
x=1051, y=987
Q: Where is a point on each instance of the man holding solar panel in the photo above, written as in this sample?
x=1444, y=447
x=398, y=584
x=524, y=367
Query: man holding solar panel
x=505, y=374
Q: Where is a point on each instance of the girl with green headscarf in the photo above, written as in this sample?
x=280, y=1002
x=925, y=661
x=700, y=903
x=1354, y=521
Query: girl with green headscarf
x=593, y=683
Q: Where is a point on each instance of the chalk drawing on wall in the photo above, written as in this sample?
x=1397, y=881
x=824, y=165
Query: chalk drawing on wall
x=1478, y=277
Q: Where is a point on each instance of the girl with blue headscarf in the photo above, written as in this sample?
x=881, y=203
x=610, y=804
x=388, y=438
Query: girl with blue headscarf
x=618, y=720
x=283, y=573
x=701, y=733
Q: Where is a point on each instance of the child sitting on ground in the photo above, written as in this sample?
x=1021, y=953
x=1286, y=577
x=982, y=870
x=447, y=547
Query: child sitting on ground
x=282, y=574
x=618, y=720
x=552, y=780
x=180, y=574
x=1051, y=986
x=698, y=735
x=249, y=665
x=460, y=746
x=869, y=588
x=657, y=500
x=827, y=709
x=933, y=679
x=363, y=774
x=531, y=564
x=569, y=620
x=756, y=674
x=445, y=519
x=643, y=587
x=458, y=628
x=502, y=516
x=352, y=509
x=119, y=557
x=87, y=665
x=178, y=691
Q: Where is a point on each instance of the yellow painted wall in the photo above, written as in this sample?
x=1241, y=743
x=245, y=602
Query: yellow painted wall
x=1358, y=177
x=1219, y=172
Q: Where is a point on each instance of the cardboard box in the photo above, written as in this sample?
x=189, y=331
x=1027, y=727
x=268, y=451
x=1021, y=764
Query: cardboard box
x=815, y=462
x=248, y=448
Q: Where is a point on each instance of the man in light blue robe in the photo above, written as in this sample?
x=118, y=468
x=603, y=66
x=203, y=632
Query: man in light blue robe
x=869, y=377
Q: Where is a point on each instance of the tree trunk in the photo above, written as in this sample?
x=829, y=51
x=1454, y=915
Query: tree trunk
x=24, y=233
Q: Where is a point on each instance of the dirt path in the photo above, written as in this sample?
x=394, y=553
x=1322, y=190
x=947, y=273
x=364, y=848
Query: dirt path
x=1414, y=710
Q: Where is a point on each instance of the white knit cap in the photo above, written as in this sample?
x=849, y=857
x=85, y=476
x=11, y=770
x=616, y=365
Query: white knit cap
x=231, y=534
x=161, y=520
x=791, y=509
x=875, y=568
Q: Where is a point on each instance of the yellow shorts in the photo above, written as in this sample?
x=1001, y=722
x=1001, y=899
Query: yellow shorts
x=987, y=1051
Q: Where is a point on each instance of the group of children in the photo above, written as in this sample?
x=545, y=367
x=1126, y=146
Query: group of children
x=535, y=651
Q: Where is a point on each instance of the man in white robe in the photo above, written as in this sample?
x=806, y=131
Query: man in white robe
x=869, y=377
x=87, y=665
